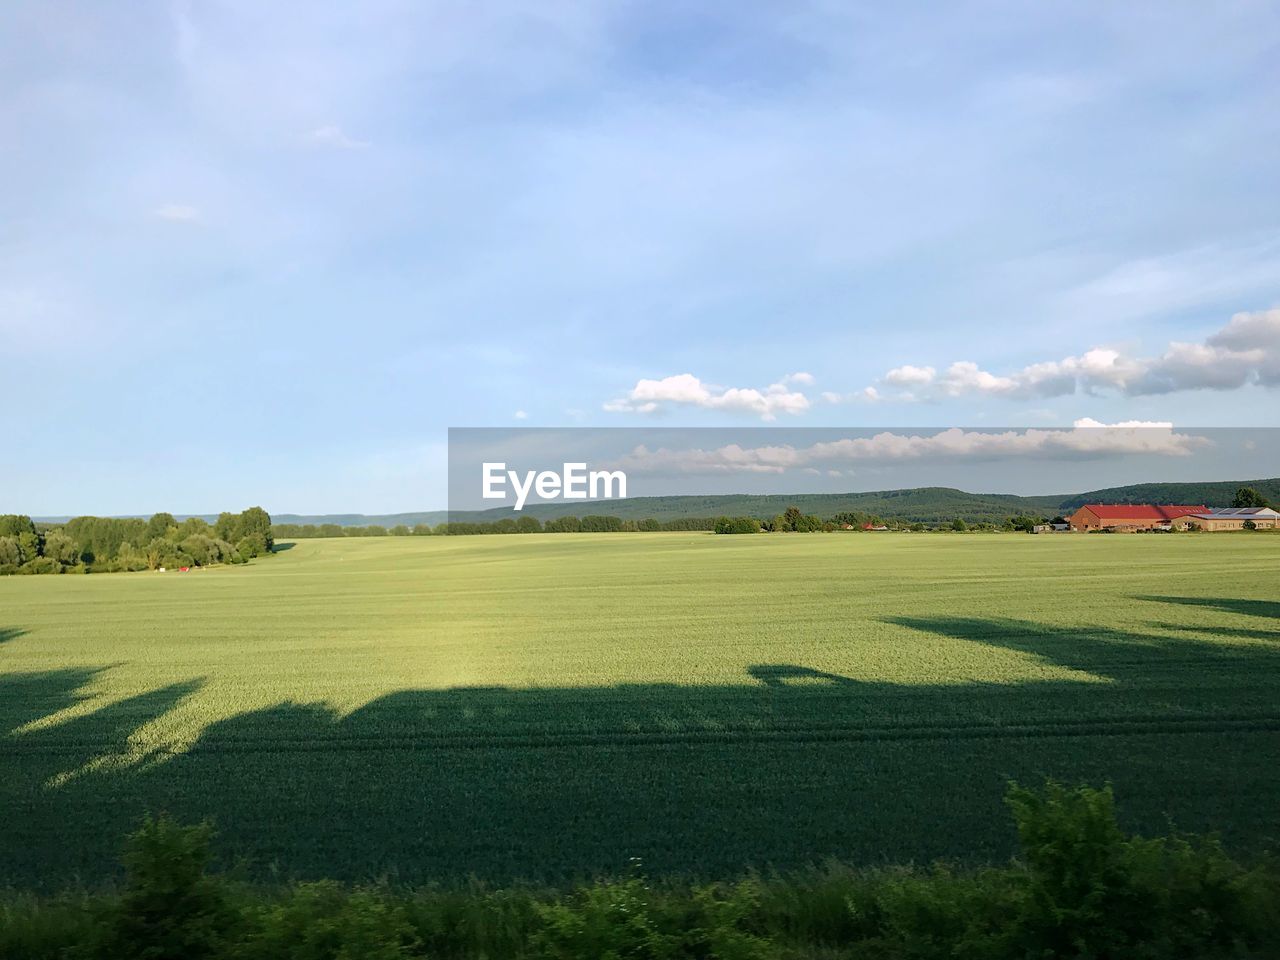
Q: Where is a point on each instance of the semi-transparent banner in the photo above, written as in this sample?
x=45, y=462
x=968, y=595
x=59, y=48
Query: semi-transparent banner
x=496, y=473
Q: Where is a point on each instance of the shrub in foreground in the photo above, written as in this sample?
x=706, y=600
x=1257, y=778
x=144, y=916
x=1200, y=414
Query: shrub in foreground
x=1081, y=888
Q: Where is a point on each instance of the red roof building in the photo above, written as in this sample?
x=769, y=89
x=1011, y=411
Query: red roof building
x=1129, y=516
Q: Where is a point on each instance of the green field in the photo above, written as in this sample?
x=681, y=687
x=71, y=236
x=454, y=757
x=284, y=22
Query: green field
x=543, y=706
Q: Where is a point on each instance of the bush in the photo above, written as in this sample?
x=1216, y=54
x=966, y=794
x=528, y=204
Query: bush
x=318, y=920
x=170, y=907
x=1081, y=888
x=251, y=546
x=737, y=525
x=41, y=565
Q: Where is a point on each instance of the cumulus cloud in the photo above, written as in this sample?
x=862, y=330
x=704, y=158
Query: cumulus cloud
x=1245, y=351
x=654, y=396
x=802, y=378
x=177, y=213
x=1088, y=439
x=909, y=376
x=332, y=135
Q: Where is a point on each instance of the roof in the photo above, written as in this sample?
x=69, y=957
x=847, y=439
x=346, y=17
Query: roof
x=1141, y=511
x=1236, y=513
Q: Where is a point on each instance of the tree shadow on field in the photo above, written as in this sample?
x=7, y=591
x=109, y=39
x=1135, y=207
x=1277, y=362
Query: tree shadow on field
x=10, y=633
x=789, y=766
x=281, y=547
x=1250, y=608
x=784, y=674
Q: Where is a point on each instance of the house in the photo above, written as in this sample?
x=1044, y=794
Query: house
x=1234, y=518
x=1051, y=528
x=1132, y=516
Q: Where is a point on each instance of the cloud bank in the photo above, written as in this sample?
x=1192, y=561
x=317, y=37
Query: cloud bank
x=1088, y=439
x=1245, y=351
x=686, y=390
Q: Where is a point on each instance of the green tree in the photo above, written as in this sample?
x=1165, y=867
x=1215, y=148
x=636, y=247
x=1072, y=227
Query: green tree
x=1249, y=497
x=13, y=524
x=62, y=548
x=251, y=546
x=563, y=525
x=192, y=526
x=791, y=518
x=159, y=525
x=959, y=525
x=29, y=545
x=203, y=550
x=737, y=525
x=156, y=552
x=10, y=555
x=528, y=524
x=170, y=906
x=225, y=526
x=255, y=522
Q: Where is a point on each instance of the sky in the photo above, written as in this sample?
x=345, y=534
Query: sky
x=270, y=253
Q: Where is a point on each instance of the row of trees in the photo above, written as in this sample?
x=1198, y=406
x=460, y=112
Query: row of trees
x=507, y=525
x=793, y=521
x=106, y=544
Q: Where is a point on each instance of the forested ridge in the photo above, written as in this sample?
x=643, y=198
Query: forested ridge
x=928, y=505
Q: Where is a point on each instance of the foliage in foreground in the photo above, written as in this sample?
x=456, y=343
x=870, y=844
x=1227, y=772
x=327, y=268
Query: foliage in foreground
x=1081, y=888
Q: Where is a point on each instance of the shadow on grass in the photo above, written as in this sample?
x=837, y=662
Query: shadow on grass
x=1251, y=608
x=10, y=633
x=279, y=547
x=789, y=766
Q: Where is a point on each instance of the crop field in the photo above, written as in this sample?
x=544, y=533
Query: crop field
x=540, y=707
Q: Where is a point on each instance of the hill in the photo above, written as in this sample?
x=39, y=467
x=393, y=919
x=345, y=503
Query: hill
x=1210, y=493
x=923, y=504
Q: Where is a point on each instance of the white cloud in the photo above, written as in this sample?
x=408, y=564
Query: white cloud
x=908, y=376
x=865, y=395
x=521, y=415
x=802, y=378
x=653, y=396
x=1088, y=439
x=332, y=135
x=1245, y=351
x=177, y=213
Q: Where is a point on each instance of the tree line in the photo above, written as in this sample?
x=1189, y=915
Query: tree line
x=111, y=544
x=507, y=525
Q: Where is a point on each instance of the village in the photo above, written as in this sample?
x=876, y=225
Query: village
x=1163, y=518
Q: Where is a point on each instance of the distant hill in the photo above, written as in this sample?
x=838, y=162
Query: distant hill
x=429, y=517
x=922, y=504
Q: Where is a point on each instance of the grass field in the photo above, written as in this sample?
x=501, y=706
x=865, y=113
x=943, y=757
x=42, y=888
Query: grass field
x=542, y=706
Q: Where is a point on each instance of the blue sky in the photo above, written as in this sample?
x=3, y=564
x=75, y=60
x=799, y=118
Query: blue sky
x=270, y=252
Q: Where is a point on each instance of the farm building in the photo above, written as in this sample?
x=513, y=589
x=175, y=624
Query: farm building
x=1132, y=516
x=1234, y=518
